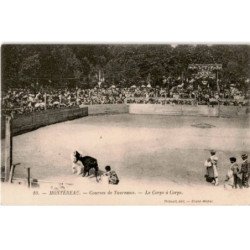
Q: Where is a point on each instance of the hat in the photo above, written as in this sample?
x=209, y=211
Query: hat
x=233, y=159
x=244, y=156
x=212, y=151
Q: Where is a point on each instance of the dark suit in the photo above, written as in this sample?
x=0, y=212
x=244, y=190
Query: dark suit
x=245, y=173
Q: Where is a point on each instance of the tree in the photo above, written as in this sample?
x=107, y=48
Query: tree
x=29, y=68
x=120, y=64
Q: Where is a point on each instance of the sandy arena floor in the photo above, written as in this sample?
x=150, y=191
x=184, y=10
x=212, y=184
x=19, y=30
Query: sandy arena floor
x=139, y=147
x=163, y=155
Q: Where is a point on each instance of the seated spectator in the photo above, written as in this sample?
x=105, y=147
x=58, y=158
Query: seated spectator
x=177, y=93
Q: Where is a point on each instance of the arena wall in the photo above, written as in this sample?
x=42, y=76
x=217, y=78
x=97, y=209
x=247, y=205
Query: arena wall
x=155, y=109
x=189, y=110
x=107, y=109
x=28, y=122
x=200, y=110
x=233, y=111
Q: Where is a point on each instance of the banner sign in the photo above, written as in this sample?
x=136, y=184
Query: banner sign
x=205, y=71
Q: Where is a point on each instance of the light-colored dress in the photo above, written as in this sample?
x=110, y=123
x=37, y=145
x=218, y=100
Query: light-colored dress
x=229, y=182
x=214, y=160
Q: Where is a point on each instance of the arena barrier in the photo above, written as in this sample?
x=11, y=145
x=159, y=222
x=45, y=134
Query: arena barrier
x=28, y=122
x=188, y=110
x=233, y=111
x=200, y=110
x=156, y=109
x=102, y=109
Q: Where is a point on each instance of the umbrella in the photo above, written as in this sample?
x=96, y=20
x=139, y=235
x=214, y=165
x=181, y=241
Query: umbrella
x=149, y=85
x=133, y=86
x=143, y=86
x=113, y=86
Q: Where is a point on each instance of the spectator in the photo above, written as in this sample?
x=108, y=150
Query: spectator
x=245, y=167
x=184, y=93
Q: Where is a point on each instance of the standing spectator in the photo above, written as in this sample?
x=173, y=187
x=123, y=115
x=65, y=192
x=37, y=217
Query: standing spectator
x=214, y=161
x=229, y=181
x=235, y=169
x=209, y=171
x=245, y=168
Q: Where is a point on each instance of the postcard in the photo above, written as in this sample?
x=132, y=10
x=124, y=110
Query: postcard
x=125, y=124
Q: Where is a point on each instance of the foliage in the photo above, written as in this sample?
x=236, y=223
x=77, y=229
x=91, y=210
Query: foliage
x=80, y=65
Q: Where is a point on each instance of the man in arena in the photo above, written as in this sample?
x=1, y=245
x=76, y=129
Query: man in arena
x=245, y=169
x=112, y=176
x=235, y=169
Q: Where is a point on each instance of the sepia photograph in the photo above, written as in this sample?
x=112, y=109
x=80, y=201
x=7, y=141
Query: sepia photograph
x=125, y=124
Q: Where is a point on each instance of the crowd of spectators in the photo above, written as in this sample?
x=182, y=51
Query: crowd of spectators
x=19, y=100
x=22, y=101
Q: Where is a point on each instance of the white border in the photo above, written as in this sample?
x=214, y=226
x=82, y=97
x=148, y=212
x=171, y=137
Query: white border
x=114, y=21
x=124, y=21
